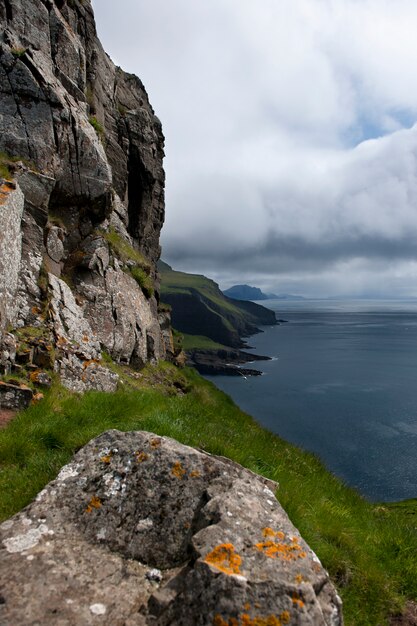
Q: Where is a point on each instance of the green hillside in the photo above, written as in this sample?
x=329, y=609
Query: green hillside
x=200, y=308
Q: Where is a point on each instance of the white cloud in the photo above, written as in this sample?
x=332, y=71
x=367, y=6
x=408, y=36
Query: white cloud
x=263, y=105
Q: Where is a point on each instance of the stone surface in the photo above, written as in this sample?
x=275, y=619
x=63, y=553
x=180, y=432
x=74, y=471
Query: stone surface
x=14, y=396
x=86, y=150
x=78, y=359
x=139, y=529
x=11, y=211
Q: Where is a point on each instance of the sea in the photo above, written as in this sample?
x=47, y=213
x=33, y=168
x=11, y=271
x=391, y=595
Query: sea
x=342, y=383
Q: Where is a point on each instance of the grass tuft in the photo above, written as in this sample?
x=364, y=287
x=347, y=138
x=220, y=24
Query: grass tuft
x=98, y=127
x=141, y=269
x=143, y=280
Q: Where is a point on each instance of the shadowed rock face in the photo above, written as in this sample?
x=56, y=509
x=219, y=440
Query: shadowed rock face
x=86, y=550
x=85, y=150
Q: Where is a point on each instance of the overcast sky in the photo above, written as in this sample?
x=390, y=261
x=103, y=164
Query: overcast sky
x=291, y=150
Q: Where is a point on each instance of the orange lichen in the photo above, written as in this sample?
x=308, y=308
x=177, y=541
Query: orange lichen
x=5, y=189
x=155, y=443
x=268, y=532
x=90, y=362
x=275, y=547
x=246, y=620
x=296, y=600
x=141, y=457
x=247, y=606
x=95, y=503
x=106, y=458
x=34, y=376
x=225, y=559
x=300, y=579
x=195, y=474
x=178, y=471
x=85, y=338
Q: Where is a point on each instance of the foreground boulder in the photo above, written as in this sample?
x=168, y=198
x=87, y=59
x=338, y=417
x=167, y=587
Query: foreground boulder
x=139, y=529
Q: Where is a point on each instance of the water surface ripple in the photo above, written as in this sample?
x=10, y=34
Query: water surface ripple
x=343, y=385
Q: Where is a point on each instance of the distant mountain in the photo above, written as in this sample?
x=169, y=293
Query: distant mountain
x=246, y=292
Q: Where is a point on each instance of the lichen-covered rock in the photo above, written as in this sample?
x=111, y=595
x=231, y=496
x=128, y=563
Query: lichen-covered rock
x=11, y=211
x=141, y=530
x=13, y=396
x=85, y=150
x=78, y=361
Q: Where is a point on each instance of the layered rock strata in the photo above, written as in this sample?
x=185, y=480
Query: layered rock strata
x=141, y=530
x=81, y=197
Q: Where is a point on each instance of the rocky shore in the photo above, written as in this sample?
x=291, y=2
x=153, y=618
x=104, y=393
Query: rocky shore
x=225, y=362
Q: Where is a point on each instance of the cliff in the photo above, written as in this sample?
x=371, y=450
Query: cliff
x=81, y=201
x=200, y=308
x=213, y=325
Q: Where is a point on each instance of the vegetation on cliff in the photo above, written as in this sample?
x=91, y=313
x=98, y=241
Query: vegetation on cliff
x=368, y=549
x=200, y=308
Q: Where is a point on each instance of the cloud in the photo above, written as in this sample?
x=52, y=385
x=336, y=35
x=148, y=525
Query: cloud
x=291, y=150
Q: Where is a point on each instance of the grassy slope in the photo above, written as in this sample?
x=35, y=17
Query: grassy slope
x=200, y=342
x=181, y=282
x=369, y=550
x=233, y=315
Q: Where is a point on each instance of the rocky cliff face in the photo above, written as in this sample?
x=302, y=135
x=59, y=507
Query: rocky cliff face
x=81, y=200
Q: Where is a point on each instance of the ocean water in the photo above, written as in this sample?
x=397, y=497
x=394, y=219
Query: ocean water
x=342, y=384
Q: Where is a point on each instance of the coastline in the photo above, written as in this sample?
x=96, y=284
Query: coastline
x=224, y=362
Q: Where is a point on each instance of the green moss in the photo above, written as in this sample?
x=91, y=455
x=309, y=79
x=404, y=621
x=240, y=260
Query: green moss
x=98, y=127
x=34, y=333
x=43, y=281
x=178, y=339
x=129, y=255
x=18, y=52
x=7, y=163
x=89, y=95
x=56, y=220
x=122, y=109
x=124, y=251
x=143, y=280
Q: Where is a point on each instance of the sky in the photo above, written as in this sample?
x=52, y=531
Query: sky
x=291, y=137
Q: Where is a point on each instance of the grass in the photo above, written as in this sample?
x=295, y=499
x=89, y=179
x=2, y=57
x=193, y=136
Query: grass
x=368, y=549
x=200, y=342
x=98, y=127
x=124, y=251
x=7, y=165
x=225, y=320
x=180, y=282
x=141, y=268
x=144, y=281
x=18, y=52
